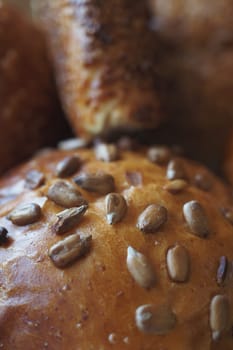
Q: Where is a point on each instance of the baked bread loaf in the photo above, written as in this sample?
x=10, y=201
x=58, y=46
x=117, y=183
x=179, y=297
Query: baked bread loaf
x=196, y=61
x=104, y=248
x=104, y=59
x=30, y=115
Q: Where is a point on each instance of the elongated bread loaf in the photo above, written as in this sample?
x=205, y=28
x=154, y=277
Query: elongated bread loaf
x=104, y=54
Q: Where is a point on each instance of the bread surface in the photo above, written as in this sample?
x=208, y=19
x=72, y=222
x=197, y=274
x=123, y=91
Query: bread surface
x=104, y=57
x=91, y=303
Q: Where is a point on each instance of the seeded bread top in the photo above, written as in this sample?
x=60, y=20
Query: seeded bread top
x=131, y=251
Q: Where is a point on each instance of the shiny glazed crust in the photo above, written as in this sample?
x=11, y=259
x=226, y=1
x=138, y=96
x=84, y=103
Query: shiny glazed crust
x=91, y=304
x=30, y=116
x=103, y=53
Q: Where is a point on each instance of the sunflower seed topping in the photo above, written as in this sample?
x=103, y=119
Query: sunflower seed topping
x=68, y=250
x=116, y=207
x=228, y=214
x=106, y=152
x=140, y=268
x=68, y=166
x=68, y=219
x=175, y=170
x=196, y=218
x=73, y=144
x=65, y=195
x=159, y=154
x=222, y=270
x=34, y=179
x=203, y=182
x=126, y=143
x=134, y=178
x=152, y=218
x=3, y=235
x=155, y=319
x=100, y=183
x=25, y=214
x=176, y=186
x=219, y=315
x=178, y=263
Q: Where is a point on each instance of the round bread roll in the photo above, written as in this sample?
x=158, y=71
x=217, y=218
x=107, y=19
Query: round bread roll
x=196, y=61
x=30, y=115
x=107, y=248
x=229, y=159
x=104, y=59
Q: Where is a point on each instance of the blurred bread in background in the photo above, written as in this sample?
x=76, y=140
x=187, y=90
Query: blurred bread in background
x=197, y=64
x=30, y=115
x=104, y=57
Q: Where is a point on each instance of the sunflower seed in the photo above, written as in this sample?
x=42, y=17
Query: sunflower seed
x=203, y=182
x=3, y=235
x=155, y=319
x=134, y=178
x=100, y=183
x=34, y=179
x=196, y=218
x=68, y=166
x=176, y=186
x=69, y=249
x=175, y=170
x=25, y=214
x=126, y=143
x=116, y=207
x=73, y=144
x=65, y=195
x=152, y=218
x=177, y=150
x=140, y=268
x=222, y=270
x=106, y=152
x=178, y=263
x=228, y=214
x=159, y=154
x=68, y=219
x=219, y=315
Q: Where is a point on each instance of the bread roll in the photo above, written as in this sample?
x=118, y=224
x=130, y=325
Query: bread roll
x=115, y=249
x=196, y=61
x=30, y=115
x=103, y=54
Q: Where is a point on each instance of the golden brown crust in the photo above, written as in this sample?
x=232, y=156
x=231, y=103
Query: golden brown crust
x=30, y=113
x=104, y=54
x=91, y=304
x=197, y=63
